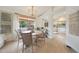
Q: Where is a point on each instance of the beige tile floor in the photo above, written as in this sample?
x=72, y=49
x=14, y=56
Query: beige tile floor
x=54, y=45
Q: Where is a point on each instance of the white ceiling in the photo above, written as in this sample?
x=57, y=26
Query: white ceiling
x=64, y=10
x=38, y=10
x=26, y=10
x=13, y=9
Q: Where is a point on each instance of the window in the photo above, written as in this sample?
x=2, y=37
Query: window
x=23, y=24
x=5, y=23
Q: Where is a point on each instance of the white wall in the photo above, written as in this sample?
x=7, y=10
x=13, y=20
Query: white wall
x=14, y=25
x=71, y=40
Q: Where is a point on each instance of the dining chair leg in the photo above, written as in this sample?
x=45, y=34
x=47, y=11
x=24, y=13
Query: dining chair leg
x=32, y=49
x=36, y=42
x=23, y=48
x=18, y=46
x=44, y=40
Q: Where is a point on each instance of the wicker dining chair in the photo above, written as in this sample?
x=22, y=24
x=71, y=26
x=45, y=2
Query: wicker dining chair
x=27, y=40
x=40, y=37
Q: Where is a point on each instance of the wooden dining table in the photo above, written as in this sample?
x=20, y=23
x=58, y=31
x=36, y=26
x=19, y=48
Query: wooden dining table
x=35, y=35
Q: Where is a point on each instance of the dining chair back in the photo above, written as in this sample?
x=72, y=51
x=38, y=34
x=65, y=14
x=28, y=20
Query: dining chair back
x=27, y=40
x=40, y=38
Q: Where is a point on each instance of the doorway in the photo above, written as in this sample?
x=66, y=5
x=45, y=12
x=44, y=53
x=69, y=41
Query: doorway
x=60, y=29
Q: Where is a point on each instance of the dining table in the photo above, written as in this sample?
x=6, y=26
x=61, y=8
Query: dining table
x=35, y=35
